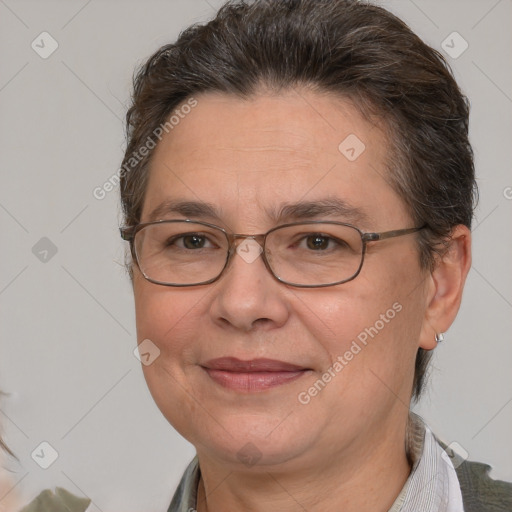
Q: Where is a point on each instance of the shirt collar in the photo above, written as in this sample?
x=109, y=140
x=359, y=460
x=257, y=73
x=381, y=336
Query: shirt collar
x=432, y=485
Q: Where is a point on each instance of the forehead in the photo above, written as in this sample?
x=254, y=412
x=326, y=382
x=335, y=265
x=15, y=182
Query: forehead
x=248, y=156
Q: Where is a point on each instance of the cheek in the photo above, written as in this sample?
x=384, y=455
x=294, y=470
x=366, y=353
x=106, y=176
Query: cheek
x=169, y=317
x=371, y=328
x=160, y=310
x=337, y=316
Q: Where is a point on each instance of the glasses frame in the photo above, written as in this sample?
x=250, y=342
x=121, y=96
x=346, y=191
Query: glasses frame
x=128, y=234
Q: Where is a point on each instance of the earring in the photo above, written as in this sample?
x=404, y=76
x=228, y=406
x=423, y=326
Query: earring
x=439, y=337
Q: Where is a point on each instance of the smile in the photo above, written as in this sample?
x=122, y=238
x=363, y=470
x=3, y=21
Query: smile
x=254, y=375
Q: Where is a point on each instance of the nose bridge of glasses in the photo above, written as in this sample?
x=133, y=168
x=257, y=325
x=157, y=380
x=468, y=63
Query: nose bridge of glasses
x=236, y=239
x=248, y=247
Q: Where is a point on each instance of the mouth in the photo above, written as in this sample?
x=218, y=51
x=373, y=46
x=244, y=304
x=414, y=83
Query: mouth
x=254, y=375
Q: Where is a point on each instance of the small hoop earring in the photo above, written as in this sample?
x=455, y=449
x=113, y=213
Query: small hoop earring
x=439, y=337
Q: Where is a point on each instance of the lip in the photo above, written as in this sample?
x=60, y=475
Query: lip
x=252, y=375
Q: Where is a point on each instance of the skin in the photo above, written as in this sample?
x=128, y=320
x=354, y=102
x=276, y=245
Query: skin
x=344, y=450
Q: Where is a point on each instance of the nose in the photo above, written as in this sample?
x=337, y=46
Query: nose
x=247, y=296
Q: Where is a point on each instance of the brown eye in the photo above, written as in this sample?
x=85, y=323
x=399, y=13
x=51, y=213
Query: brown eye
x=194, y=241
x=317, y=242
x=190, y=241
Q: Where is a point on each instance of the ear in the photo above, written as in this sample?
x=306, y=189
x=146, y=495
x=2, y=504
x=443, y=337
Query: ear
x=446, y=283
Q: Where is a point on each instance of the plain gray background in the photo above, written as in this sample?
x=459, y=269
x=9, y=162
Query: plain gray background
x=67, y=323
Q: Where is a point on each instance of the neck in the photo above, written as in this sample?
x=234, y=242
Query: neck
x=350, y=482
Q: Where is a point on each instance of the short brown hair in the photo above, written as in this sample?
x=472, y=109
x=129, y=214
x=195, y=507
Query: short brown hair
x=352, y=49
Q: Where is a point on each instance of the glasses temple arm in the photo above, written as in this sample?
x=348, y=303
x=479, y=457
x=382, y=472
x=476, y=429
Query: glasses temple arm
x=372, y=237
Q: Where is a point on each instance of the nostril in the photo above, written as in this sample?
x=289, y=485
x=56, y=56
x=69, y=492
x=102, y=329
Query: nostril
x=261, y=322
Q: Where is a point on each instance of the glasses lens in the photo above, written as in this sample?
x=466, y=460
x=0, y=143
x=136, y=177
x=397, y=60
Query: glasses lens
x=314, y=254
x=180, y=253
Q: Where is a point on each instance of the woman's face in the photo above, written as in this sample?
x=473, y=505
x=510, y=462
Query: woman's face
x=249, y=159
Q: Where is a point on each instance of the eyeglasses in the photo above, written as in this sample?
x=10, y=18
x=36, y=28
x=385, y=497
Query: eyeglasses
x=307, y=254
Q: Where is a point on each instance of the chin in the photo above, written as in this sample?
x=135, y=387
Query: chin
x=253, y=442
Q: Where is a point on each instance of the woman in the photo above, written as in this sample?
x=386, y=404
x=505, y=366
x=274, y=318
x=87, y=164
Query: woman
x=298, y=191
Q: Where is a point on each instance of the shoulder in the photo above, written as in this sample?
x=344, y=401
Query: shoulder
x=60, y=501
x=480, y=493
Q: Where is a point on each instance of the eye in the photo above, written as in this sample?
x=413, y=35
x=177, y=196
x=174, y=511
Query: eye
x=317, y=242
x=190, y=241
x=321, y=242
x=194, y=241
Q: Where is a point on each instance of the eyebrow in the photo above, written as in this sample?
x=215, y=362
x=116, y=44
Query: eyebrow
x=189, y=209
x=327, y=207
x=286, y=212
